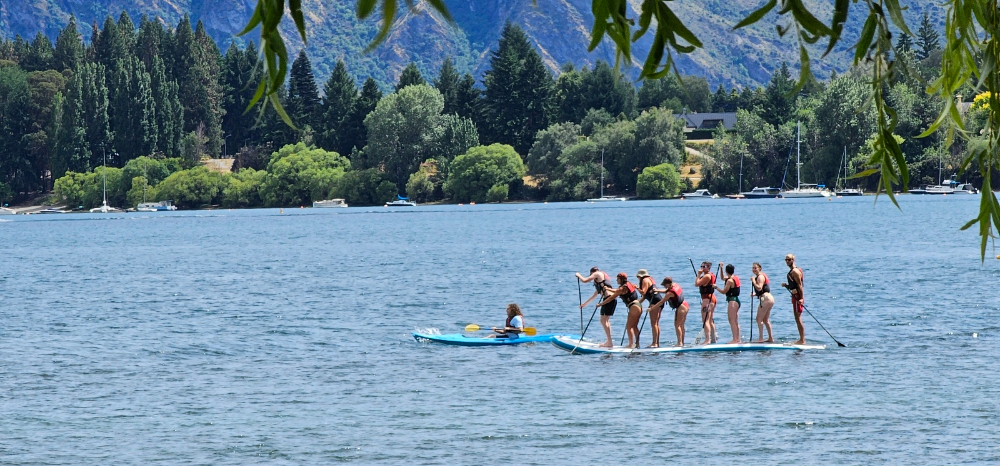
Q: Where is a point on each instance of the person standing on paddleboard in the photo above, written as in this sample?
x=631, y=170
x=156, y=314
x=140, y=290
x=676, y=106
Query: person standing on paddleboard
x=796, y=287
x=630, y=296
x=514, y=326
x=732, y=292
x=762, y=287
x=647, y=289
x=602, y=288
x=705, y=282
x=674, y=296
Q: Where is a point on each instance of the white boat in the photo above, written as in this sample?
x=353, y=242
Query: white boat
x=105, y=208
x=6, y=211
x=699, y=194
x=577, y=346
x=845, y=191
x=402, y=202
x=330, y=203
x=604, y=198
x=162, y=206
x=802, y=190
x=762, y=193
x=965, y=188
x=935, y=189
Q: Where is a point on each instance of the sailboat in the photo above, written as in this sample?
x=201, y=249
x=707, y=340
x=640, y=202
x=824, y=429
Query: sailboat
x=937, y=189
x=604, y=198
x=104, y=208
x=847, y=191
x=802, y=190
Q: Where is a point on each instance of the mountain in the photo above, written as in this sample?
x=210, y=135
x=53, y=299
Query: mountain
x=560, y=29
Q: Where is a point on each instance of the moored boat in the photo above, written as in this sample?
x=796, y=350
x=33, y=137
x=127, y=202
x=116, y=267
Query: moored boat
x=801, y=190
x=7, y=211
x=576, y=346
x=330, y=203
x=161, y=206
x=401, y=203
x=762, y=193
x=699, y=194
x=850, y=192
x=458, y=339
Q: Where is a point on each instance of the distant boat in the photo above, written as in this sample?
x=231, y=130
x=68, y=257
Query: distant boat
x=802, y=190
x=939, y=189
x=6, y=211
x=401, y=202
x=105, y=208
x=762, y=193
x=162, y=206
x=965, y=188
x=845, y=191
x=604, y=198
x=330, y=203
x=52, y=210
x=699, y=194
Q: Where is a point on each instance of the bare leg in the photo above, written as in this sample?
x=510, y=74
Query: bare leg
x=654, y=325
x=632, y=325
x=733, y=312
x=801, y=327
x=764, y=318
x=680, y=318
x=606, y=323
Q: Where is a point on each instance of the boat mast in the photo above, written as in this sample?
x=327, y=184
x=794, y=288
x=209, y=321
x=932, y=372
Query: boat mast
x=104, y=171
x=602, y=172
x=798, y=165
x=741, y=174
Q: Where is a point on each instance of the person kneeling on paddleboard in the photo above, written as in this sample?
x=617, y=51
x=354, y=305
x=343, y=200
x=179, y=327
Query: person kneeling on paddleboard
x=603, y=288
x=514, y=326
x=630, y=296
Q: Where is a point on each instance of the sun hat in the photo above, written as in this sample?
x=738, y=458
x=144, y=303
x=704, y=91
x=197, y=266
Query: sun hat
x=642, y=273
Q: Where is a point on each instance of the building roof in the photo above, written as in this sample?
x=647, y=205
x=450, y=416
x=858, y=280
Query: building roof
x=709, y=121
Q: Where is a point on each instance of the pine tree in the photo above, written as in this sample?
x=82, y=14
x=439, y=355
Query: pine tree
x=518, y=92
x=210, y=89
x=147, y=43
x=133, y=114
x=303, y=95
x=339, y=97
x=95, y=110
x=720, y=100
x=69, y=48
x=928, y=40
x=106, y=44
x=355, y=133
x=468, y=99
x=126, y=37
x=240, y=82
x=780, y=102
x=904, y=43
x=447, y=84
x=39, y=54
x=410, y=77
x=71, y=140
x=169, y=115
x=606, y=88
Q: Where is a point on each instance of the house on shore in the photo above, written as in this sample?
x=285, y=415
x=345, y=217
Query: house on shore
x=700, y=126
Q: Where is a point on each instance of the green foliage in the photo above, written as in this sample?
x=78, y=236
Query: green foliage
x=365, y=187
x=192, y=188
x=928, y=39
x=426, y=183
x=86, y=190
x=473, y=174
x=498, y=193
x=404, y=130
x=152, y=170
x=577, y=175
x=297, y=175
x=303, y=103
x=549, y=145
x=410, y=77
x=339, y=99
x=658, y=182
x=139, y=192
x=243, y=189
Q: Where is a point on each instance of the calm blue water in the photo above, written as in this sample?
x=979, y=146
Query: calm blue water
x=235, y=337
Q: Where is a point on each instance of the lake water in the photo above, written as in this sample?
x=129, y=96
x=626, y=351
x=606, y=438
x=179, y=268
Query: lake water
x=235, y=337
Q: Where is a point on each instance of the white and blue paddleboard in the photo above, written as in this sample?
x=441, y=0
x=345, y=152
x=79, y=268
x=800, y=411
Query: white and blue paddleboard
x=459, y=339
x=574, y=345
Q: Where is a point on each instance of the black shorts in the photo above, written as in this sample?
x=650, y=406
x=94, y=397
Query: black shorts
x=609, y=309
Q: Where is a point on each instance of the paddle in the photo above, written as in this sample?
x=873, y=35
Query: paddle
x=822, y=327
x=530, y=331
x=753, y=283
x=579, y=294
x=701, y=333
x=584, y=332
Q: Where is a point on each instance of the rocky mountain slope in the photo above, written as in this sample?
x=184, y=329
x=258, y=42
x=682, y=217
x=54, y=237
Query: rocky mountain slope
x=560, y=29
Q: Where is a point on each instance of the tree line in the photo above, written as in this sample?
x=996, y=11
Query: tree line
x=168, y=97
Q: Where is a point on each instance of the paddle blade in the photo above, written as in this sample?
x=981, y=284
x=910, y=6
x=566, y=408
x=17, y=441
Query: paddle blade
x=471, y=328
x=530, y=331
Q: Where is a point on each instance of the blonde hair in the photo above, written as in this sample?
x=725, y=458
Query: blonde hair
x=790, y=256
x=513, y=310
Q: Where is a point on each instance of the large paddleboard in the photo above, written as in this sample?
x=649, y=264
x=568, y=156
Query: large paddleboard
x=463, y=340
x=574, y=345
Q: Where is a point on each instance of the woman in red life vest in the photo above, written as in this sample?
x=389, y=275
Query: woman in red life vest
x=602, y=288
x=674, y=296
x=649, y=293
x=630, y=296
x=705, y=282
x=762, y=288
x=514, y=325
x=732, y=292
x=797, y=288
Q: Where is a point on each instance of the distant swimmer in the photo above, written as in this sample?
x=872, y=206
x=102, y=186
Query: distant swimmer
x=762, y=288
x=603, y=288
x=514, y=326
x=705, y=282
x=630, y=296
x=796, y=286
x=732, y=292
x=647, y=289
x=674, y=296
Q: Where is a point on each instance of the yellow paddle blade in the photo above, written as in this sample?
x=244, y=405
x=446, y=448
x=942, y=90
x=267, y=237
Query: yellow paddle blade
x=530, y=331
x=471, y=328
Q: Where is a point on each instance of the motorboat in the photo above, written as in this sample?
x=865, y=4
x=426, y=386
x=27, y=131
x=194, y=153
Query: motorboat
x=604, y=198
x=762, y=193
x=401, y=202
x=850, y=192
x=162, y=206
x=7, y=211
x=935, y=189
x=802, y=190
x=699, y=194
x=965, y=188
x=330, y=203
